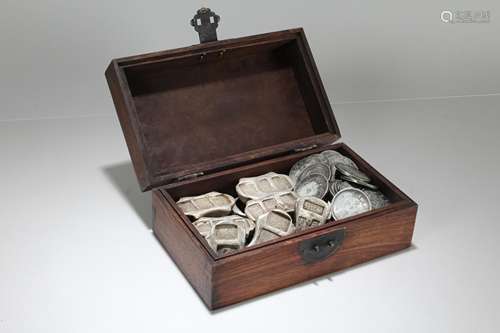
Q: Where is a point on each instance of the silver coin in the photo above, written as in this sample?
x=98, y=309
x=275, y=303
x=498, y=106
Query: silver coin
x=312, y=186
x=316, y=168
x=337, y=185
x=333, y=171
x=349, y=171
x=377, y=198
x=334, y=157
x=300, y=165
x=322, y=158
x=359, y=182
x=349, y=202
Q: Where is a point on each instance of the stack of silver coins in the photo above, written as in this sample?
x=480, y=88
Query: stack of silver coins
x=319, y=189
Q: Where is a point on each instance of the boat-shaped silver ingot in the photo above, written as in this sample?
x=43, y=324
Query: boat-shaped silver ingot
x=274, y=224
x=209, y=204
x=282, y=200
x=226, y=236
x=204, y=225
x=311, y=212
x=252, y=188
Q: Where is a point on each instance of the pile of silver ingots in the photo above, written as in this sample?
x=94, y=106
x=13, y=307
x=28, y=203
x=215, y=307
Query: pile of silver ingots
x=319, y=188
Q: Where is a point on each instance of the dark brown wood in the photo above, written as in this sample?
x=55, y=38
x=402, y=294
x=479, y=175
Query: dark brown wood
x=184, y=248
x=232, y=109
x=241, y=277
x=127, y=117
x=227, y=103
x=277, y=264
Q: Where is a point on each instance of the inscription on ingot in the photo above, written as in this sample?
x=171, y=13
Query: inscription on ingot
x=209, y=204
x=311, y=212
x=282, y=200
x=254, y=188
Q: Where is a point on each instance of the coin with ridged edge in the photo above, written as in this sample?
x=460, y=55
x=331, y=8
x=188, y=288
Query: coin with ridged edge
x=312, y=186
x=377, y=198
x=349, y=202
x=334, y=157
x=316, y=168
x=349, y=171
x=302, y=164
x=359, y=182
x=336, y=185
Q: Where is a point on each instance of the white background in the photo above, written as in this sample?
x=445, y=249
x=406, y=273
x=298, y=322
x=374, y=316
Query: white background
x=54, y=52
x=76, y=250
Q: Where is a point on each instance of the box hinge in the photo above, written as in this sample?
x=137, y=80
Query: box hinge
x=190, y=176
x=297, y=150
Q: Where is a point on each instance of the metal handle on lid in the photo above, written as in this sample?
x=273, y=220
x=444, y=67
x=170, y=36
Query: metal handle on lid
x=205, y=22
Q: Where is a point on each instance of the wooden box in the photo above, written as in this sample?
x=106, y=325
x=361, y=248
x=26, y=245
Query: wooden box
x=199, y=118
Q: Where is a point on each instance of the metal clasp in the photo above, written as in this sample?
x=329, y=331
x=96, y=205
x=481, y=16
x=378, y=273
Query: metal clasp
x=320, y=248
x=190, y=176
x=297, y=150
x=205, y=22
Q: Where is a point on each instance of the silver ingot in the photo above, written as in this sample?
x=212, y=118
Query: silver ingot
x=226, y=236
x=253, y=188
x=349, y=171
x=209, y=204
x=204, y=225
x=225, y=249
x=283, y=200
x=311, y=212
x=312, y=186
x=274, y=224
x=349, y=202
x=316, y=169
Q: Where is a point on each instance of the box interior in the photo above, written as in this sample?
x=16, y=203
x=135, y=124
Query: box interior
x=226, y=181
x=207, y=106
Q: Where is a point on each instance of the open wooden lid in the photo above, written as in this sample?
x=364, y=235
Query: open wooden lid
x=219, y=104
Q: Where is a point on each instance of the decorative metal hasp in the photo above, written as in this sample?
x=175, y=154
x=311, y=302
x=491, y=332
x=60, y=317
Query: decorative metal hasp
x=205, y=22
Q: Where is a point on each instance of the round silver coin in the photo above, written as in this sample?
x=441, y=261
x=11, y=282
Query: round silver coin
x=312, y=186
x=316, y=168
x=349, y=202
x=334, y=157
x=333, y=170
x=377, y=198
x=359, y=182
x=337, y=185
x=300, y=165
x=349, y=171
